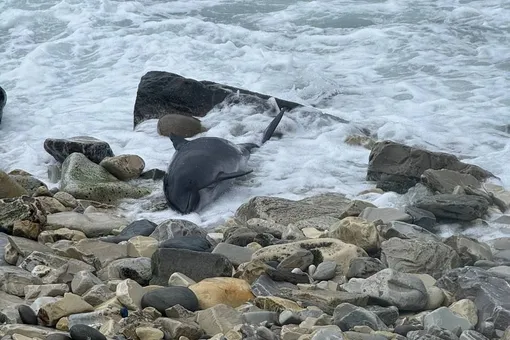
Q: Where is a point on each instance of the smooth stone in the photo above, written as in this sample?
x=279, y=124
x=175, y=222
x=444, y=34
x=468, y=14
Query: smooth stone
x=124, y=167
x=457, y=207
x=141, y=227
x=222, y=290
x=386, y=215
x=174, y=228
x=421, y=217
x=193, y=243
x=300, y=259
x=346, y=316
x=179, y=125
x=235, y=254
x=325, y=271
x=446, y=319
x=93, y=148
x=164, y=298
x=84, y=332
x=27, y=315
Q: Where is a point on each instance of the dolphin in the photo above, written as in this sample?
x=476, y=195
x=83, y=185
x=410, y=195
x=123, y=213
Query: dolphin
x=202, y=169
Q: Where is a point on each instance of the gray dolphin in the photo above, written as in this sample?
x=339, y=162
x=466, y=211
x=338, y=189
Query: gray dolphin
x=202, y=169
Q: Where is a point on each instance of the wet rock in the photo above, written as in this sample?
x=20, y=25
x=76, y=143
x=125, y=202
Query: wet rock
x=444, y=181
x=93, y=148
x=23, y=208
x=358, y=231
x=417, y=256
x=196, y=265
x=421, y=217
x=393, y=288
x=164, y=298
x=284, y=211
x=229, y=291
x=92, y=224
x=9, y=188
x=325, y=249
x=124, y=167
x=194, y=243
x=174, y=228
x=87, y=180
x=407, y=164
x=141, y=227
x=470, y=250
x=84, y=332
x=457, y=207
x=160, y=93
x=407, y=231
x=490, y=293
x=179, y=125
x=386, y=215
x=363, y=267
x=346, y=316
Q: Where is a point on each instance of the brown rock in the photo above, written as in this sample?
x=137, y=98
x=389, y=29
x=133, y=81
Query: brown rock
x=179, y=125
x=222, y=290
x=358, y=231
x=26, y=229
x=9, y=188
x=51, y=312
x=124, y=167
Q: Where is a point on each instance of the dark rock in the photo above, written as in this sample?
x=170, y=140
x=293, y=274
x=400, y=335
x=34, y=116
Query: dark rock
x=325, y=271
x=154, y=174
x=434, y=333
x=180, y=125
x=396, y=183
x=444, y=181
x=265, y=286
x=258, y=317
x=472, y=335
x=136, y=228
x=300, y=259
x=195, y=265
x=288, y=317
x=388, y=315
x=287, y=276
x=3, y=242
x=84, y=332
x=264, y=333
x=174, y=228
x=346, y=316
x=164, y=298
x=93, y=148
x=195, y=243
x=407, y=231
x=245, y=236
x=469, y=249
x=421, y=217
x=407, y=164
x=490, y=294
x=363, y=267
x=3, y=101
x=58, y=336
x=457, y=207
x=404, y=329
x=27, y=315
x=161, y=93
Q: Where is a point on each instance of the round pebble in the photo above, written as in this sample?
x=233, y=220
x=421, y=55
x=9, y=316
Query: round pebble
x=325, y=271
x=27, y=315
x=84, y=332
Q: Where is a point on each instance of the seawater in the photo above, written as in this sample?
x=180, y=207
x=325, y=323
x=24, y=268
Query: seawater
x=427, y=73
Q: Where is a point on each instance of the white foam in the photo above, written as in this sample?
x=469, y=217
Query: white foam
x=430, y=74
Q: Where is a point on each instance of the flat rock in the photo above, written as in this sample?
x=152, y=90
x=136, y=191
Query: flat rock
x=218, y=319
x=141, y=227
x=9, y=188
x=124, y=167
x=407, y=231
x=51, y=312
x=284, y=211
x=235, y=254
x=25, y=247
x=30, y=331
x=196, y=265
x=174, y=228
x=104, y=252
x=386, y=215
x=93, y=148
x=358, y=231
x=421, y=217
x=98, y=295
x=23, y=208
x=469, y=249
x=52, y=236
x=445, y=181
x=55, y=262
x=92, y=224
x=14, y=279
x=84, y=332
x=457, y=207
x=226, y=290
x=407, y=164
x=417, y=256
x=391, y=288
x=490, y=293
x=164, y=298
x=86, y=180
x=138, y=269
x=191, y=242
x=347, y=316
x=446, y=319
x=363, y=267
x=327, y=249
x=265, y=286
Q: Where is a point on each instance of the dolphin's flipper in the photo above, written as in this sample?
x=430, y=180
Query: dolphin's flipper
x=223, y=176
x=272, y=127
x=178, y=141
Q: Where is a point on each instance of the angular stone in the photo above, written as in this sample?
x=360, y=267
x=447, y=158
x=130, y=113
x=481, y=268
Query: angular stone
x=52, y=205
x=301, y=259
x=174, y=228
x=93, y=148
x=417, y=256
x=182, y=328
x=235, y=254
x=124, y=167
x=407, y=231
x=25, y=247
x=444, y=181
x=84, y=179
x=130, y=294
x=474, y=335
x=409, y=163
x=326, y=300
x=30, y=331
x=446, y=319
x=470, y=250
x=457, y=207
x=13, y=280
x=34, y=291
x=346, y=316
x=83, y=281
x=84, y=332
x=98, y=294
x=9, y=188
x=222, y=290
x=466, y=309
x=422, y=218
x=388, y=315
x=386, y=215
x=284, y=211
x=326, y=249
x=325, y=271
x=104, y=252
x=50, y=313
x=196, y=265
x=149, y=333
x=92, y=224
x=23, y=208
x=218, y=319
x=52, y=236
x=138, y=269
x=55, y=262
x=276, y=304
x=179, y=279
x=141, y=246
x=393, y=288
x=358, y=231
x=265, y=286
x=363, y=267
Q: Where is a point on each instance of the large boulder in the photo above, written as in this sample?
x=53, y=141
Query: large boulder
x=490, y=293
x=284, y=211
x=84, y=179
x=399, y=167
x=162, y=93
x=445, y=181
x=456, y=207
x=93, y=148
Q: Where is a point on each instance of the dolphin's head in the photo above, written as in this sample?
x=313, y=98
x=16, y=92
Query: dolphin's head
x=182, y=194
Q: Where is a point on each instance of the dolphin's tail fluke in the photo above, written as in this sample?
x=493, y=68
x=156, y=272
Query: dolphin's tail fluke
x=268, y=133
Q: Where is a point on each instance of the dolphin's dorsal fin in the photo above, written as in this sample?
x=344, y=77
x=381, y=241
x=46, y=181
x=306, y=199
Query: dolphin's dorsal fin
x=272, y=127
x=178, y=141
x=223, y=176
